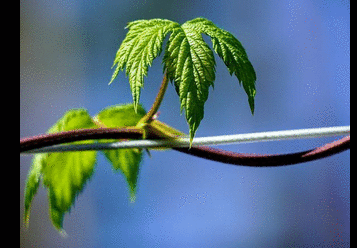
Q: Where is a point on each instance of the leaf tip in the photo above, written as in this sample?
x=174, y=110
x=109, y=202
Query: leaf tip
x=251, y=105
x=27, y=218
x=132, y=198
x=57, y=219
x=63, y=233
x=251, y=102
x=192, y=135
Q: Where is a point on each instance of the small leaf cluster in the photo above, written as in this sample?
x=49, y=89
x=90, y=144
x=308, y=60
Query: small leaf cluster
x=65, y=174
x=188, y=61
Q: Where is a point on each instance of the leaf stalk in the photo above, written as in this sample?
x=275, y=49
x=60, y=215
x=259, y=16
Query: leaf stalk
x=156, y=105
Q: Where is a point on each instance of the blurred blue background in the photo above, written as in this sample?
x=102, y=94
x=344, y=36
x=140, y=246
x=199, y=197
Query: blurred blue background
x=301, y=53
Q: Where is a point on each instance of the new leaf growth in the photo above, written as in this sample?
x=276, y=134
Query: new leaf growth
x=65, y=174
x=189, y=61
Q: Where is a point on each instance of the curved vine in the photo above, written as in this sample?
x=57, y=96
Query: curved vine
x=206, y=152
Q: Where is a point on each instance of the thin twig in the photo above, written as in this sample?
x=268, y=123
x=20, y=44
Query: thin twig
x=218, y=155
x=268, y=160
x=213, y=140
x=46, y=140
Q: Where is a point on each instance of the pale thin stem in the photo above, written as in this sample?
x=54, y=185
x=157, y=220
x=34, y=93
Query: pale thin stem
x=213, y=140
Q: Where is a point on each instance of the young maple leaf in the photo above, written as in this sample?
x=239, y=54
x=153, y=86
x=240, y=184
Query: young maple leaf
x=64, y=174
x=188, y=60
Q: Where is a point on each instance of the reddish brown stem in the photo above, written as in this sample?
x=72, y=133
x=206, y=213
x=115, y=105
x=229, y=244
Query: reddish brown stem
x=268, y=160
x=205, y=152
x=45, y=140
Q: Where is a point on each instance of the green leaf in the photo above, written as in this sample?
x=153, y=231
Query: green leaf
x=190, y=64
x=188, y=61
x=142, y=44
x=125, y=160
x=32, y=183
x=121, y=115
x=64, y=174
x=232, y=53
x=128, y=162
